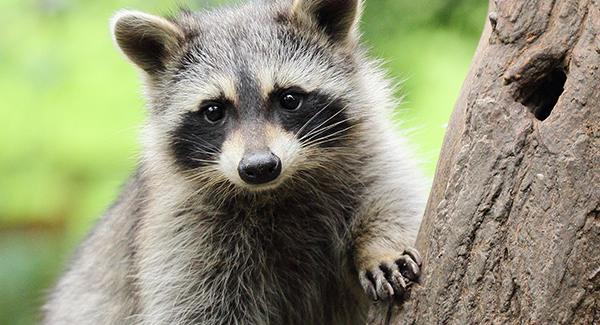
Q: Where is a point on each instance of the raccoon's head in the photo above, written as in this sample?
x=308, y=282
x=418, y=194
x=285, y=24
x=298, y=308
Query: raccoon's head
x=254, y=96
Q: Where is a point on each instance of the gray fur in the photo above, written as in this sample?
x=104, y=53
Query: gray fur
x=192, y=247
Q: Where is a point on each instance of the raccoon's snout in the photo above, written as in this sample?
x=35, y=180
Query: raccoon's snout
x=259, y=167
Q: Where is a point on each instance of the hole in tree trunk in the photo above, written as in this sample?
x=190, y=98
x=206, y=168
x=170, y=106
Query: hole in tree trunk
x=542, y=95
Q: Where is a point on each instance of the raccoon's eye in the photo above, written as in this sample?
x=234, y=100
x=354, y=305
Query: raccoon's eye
x=291, y=100
x=213, y=112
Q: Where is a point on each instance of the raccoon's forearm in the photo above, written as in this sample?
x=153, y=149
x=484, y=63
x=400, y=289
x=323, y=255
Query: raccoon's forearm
x=384, y=258
x=390, y=216
x=382, y=229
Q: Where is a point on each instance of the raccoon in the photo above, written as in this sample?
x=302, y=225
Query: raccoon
x=272, y=186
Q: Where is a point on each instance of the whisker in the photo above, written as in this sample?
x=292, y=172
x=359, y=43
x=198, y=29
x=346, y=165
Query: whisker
x=194, y=141
x=313, y=117
x=316, y=140
x=320, y=131
x=212, y=162
x=322, y=123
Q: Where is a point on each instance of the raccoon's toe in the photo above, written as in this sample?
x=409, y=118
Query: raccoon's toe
x=375, y=284
x=409, y=264
x=392, y=277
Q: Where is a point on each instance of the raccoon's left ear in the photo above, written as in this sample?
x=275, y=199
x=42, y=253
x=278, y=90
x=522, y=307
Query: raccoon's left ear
x=147, y=40
x=337, y=18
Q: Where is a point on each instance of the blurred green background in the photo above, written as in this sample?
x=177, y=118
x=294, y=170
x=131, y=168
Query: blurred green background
x=71, y=108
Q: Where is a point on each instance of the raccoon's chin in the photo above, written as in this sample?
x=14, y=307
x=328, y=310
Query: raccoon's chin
x=270, y=186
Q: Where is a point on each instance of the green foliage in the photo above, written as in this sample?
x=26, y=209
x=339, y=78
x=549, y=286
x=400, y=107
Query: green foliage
x=72, y=108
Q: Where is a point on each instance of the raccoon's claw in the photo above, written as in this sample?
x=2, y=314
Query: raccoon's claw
x=392, y=277
x=414, y=254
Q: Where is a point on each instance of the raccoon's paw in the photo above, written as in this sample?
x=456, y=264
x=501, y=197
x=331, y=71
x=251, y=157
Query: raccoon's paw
x=391, y=277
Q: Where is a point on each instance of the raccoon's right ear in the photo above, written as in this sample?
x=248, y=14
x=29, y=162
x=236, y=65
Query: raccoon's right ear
x=337, y=18
x=147, y=40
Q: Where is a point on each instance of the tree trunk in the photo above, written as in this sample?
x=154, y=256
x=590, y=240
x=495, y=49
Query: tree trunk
x=512, y=229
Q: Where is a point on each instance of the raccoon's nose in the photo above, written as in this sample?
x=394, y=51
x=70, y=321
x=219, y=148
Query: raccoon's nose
x=259, y=168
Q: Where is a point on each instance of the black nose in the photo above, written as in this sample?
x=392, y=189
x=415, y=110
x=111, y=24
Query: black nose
x=259, y=168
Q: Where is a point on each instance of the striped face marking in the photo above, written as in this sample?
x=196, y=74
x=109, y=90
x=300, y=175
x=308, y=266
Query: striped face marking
x=253, y=140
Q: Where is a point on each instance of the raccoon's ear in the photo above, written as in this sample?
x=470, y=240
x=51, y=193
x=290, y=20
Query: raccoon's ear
x=147, y=40
x=337, y=18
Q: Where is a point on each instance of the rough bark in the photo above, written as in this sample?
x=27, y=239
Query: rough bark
x=512, y=229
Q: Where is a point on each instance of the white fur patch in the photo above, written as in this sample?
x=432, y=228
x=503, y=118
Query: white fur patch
x=281, y=143
x=292, y=74
x=285, y=146
x=232, y=152
x=217, y=86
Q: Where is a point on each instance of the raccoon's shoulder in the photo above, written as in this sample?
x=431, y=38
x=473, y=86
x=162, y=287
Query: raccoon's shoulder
x=120, y=220
x=105, y=260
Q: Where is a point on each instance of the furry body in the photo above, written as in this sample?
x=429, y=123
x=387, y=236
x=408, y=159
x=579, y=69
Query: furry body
x=188, y=242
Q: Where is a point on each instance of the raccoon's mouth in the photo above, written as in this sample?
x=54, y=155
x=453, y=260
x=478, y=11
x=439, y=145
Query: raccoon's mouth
x=264, y=187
